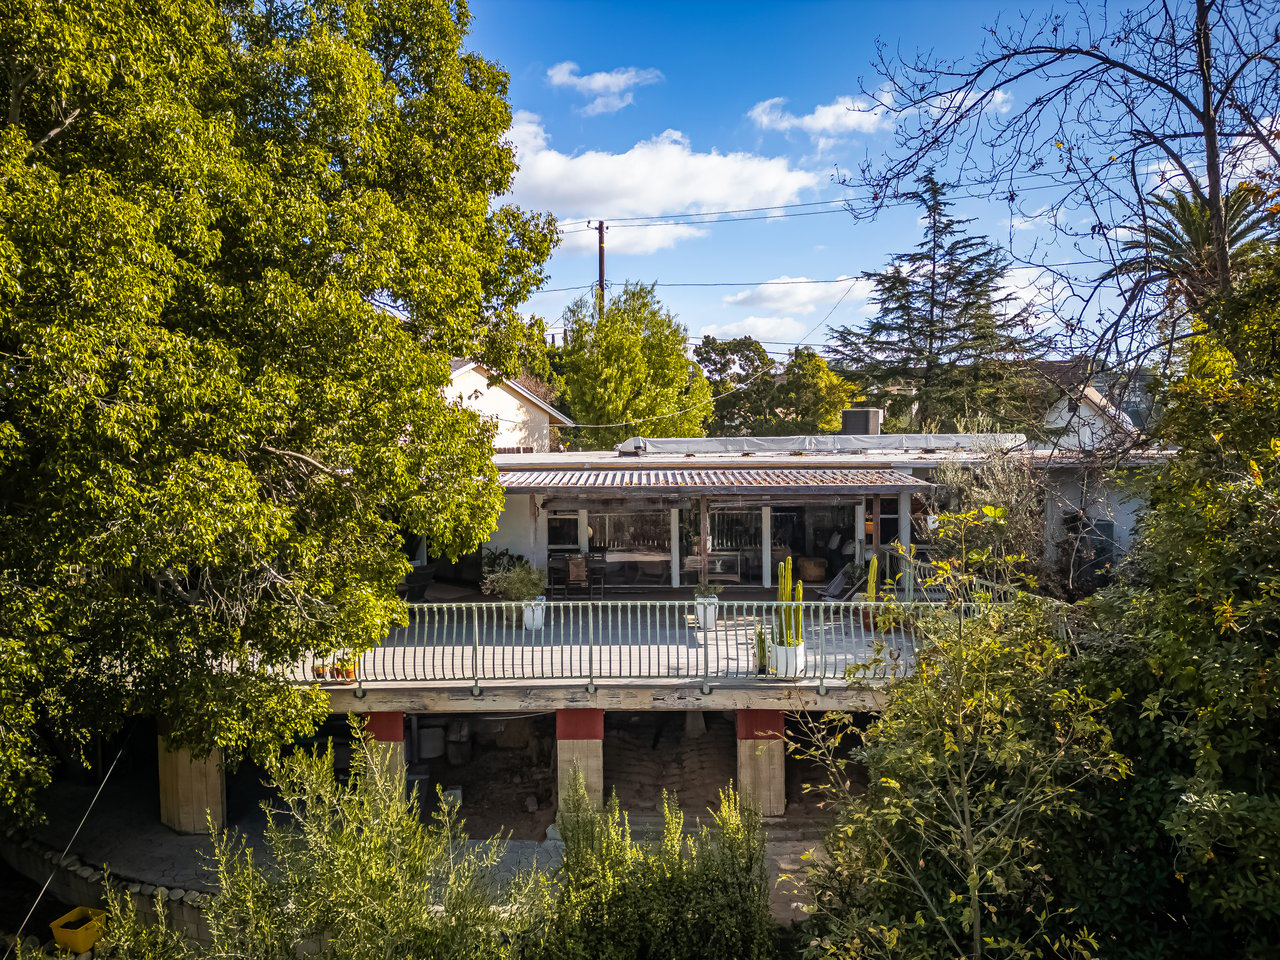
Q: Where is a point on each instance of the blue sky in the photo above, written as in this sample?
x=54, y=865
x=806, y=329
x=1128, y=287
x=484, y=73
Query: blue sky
x=662, y=109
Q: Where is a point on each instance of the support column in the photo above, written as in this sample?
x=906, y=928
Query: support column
x=766, y=546
x=385, y=730
x=761, y=755
x=675, y=546
x=704, y=536
x=193, y=793
x=580, y=747
x=860, y=525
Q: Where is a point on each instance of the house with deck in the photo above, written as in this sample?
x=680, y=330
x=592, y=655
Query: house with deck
x=630, y=538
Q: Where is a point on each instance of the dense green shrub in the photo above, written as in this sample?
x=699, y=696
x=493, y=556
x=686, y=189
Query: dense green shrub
x=1186, y=859
x=975, y=761
x=353, y=873
x=705, y=895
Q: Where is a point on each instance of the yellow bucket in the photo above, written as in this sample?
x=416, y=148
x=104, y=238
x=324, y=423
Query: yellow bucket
x=78, y=930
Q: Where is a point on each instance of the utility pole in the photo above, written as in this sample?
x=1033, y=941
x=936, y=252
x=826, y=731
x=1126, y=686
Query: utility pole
x=600, y=294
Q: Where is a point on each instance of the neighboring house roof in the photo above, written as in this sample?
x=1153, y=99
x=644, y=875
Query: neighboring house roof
x=557, y=418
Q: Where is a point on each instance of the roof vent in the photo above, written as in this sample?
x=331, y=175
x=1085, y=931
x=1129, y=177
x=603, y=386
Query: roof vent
x=861, y=421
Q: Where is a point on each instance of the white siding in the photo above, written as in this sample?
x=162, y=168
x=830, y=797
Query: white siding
x=1085, y=428
x=1101, y=498
x=520, y=423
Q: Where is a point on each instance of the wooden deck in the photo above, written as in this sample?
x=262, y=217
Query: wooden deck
x=639, y=641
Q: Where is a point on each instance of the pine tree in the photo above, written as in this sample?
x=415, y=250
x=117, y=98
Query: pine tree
x=948, y=340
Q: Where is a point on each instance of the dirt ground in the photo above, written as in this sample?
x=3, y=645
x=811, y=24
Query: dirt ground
x=508, y=786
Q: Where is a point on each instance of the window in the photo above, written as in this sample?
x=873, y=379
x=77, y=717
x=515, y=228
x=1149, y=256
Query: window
x=562, y=531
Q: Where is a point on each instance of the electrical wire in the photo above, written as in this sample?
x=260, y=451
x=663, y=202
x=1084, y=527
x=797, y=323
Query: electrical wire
x=57, y=864
x=787, y=282
x=698, y=217
x=698, y=406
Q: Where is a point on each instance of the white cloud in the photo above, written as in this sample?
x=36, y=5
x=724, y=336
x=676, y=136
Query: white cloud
x=773, y=329
x=843, y=116
x=659, y=177
x=794, y=295
x=1038, y=218
x=610, y=90
x=1036, y=288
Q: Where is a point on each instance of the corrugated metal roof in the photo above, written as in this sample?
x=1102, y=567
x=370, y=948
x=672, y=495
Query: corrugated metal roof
x=731, y=480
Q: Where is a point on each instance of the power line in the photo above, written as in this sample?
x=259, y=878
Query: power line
x=698, y=217
x=65, y=850
x=788, y=282
x=741, y=386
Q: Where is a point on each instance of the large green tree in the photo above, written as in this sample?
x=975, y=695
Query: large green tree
x=978, y=758
x=627, y=374
x=755, y=396
x=1188, y=859
x=949, y=340
x=238, y=245
x=743, y=380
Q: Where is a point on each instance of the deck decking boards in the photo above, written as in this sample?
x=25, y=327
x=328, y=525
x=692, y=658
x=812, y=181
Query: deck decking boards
x=621, y=641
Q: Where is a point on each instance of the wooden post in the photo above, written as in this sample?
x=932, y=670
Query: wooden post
x=193, y=793
x=704, y=538
x=762, y=758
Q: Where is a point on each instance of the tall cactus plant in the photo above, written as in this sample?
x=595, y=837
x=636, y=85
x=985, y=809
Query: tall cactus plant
x=788, y=618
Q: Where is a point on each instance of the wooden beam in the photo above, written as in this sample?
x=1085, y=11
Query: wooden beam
x=546, y=698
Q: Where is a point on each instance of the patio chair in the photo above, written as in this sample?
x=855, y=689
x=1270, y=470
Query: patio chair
x=596, y=568
x=576, y=578
x=653, y=572
x=845, y=585
x=557, y=577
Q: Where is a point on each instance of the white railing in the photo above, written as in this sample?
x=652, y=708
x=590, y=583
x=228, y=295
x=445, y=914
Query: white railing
x=649, y=640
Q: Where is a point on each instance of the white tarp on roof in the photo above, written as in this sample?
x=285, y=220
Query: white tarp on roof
x=837, y=444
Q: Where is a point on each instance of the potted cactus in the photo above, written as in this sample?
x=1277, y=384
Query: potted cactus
x=869, y=610
x=786, y=651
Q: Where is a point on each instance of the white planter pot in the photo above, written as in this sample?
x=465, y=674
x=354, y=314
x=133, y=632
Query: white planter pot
x=707, y=608
x=786, y=661
x=534, y=612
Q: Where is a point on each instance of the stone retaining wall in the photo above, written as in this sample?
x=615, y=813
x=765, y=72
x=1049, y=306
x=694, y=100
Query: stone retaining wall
x=81, y=883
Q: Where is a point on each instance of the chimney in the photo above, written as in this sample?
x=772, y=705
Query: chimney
x=861, y=422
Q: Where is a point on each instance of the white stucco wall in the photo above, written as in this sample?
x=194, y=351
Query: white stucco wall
x=520, y=531
x=1085, y=428
x=1100, y=498
x=520, y=423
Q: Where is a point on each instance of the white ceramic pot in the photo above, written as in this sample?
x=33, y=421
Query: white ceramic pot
x=707, y=608
x=534, y=612
x=786, y=661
